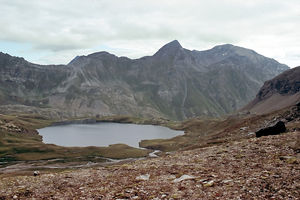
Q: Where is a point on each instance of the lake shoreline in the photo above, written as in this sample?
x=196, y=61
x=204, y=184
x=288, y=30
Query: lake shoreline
x=32, y=149
x=121, y=119
x=104, y=134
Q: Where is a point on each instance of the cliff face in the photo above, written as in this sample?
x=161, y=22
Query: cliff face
x=282, y=91
x=287, y=83
x=22, y=82
x=175, y=83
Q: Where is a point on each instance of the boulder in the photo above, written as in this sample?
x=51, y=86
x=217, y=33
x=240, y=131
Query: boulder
x=276, y=129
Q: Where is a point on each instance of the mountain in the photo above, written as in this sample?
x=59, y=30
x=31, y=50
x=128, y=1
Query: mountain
x=174, y=83
x=280, y=92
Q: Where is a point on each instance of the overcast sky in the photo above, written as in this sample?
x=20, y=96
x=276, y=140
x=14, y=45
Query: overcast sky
x=55, y=31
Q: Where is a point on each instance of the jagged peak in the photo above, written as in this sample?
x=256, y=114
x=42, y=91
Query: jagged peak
x=10, y=56
x=7, y=56
x=173, y=44
x=92, y=55
x=170, y=47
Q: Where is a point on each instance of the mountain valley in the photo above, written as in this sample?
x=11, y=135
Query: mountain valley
x=218, y=157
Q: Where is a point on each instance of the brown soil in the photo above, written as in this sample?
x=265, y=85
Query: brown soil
x=255, y=168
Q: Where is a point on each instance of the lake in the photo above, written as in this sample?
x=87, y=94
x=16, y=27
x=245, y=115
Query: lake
x=104, y=134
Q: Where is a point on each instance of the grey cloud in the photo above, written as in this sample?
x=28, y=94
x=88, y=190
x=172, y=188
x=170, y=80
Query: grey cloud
x=67, y=27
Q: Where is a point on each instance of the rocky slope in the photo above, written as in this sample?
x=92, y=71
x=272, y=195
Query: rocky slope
x=174, y=83
x=28, y=84
x=280, y=92
x=219, y=159
x=256, y=168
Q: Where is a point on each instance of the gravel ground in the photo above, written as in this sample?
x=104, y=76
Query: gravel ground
x=255, y=168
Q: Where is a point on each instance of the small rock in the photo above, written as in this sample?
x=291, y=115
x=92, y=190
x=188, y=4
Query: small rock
x=143, y=177
x=153, y=154
x=15, y=197
x=183, y=177
x=243, y=128
x=36, y=173
x=285, y=157
x=227, y=181
x=251, y=133
x=209, y=183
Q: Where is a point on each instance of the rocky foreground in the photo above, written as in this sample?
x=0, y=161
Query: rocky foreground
x=255, y=168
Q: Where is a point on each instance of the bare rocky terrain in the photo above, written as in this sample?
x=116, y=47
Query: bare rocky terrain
x=277, y=93
x=229, y=163
x=174, y=83
x=254, y=168
x=216, y=158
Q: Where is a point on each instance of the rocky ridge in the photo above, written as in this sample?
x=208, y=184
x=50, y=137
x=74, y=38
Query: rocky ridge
x=174, y=83
x=218, y=159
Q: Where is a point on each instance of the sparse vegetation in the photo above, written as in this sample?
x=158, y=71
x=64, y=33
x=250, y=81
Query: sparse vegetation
x=27, y=145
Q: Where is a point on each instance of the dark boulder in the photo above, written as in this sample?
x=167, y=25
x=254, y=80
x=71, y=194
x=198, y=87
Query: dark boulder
x=276, y=129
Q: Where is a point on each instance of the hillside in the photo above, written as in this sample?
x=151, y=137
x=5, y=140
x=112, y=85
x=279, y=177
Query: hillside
x=174, y=83
x=259, y=168
x=280, y=92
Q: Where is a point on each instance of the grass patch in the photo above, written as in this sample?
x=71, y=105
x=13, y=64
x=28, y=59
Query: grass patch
x=28, y=146
x=172, y=144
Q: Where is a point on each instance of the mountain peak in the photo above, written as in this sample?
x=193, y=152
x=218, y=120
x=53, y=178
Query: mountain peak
x=169, y=48
x=173, y=44
x=97, y=55
x=225, y=47
x=100, y=54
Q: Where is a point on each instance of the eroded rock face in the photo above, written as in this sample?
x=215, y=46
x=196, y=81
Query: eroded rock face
x=278, y=93
x=174, y=83
x=287, y=83
x=276, y=129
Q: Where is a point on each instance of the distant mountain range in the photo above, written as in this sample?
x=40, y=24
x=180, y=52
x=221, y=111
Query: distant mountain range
x=174, y=83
